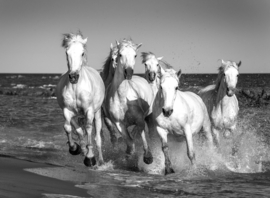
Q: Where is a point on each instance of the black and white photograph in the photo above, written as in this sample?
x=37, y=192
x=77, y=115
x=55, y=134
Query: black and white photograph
x=134, y=98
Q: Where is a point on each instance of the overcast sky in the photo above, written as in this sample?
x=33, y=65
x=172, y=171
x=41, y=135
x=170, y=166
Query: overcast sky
x=190, y=34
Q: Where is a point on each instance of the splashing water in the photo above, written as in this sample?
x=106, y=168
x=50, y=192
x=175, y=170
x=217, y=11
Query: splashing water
x=243, y=152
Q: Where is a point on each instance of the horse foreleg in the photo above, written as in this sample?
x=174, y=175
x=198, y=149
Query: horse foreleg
x=98, y=126
x=130, y=143
x=74, y=148
x=163, y=137
x=188, y=134
x=89, y=156
x=216, y=135
x=80, y=133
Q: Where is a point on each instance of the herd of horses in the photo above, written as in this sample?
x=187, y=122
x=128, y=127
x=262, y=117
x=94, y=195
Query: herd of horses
x=122, y=99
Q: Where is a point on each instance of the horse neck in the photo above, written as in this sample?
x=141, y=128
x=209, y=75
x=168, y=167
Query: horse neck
x=155, y=86
x=109, y=77
x=118, y=77
x=221, y=93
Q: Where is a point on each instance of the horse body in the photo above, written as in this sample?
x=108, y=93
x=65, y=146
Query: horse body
x=188, y=109
x=80, y=97
x=220, y=100
x=128, y=99
x=174, y=111
x=80, y=93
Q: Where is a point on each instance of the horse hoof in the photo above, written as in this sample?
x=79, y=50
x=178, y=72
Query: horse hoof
x=148, y=158
x=75, y=150
x=89, y=162
x=169, y=171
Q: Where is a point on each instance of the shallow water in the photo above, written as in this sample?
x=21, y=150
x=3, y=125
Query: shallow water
x=32, y=128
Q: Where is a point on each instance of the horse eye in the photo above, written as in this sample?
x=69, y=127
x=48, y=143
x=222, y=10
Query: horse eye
x=136, y=56
x=176, y=88
x=82, y=54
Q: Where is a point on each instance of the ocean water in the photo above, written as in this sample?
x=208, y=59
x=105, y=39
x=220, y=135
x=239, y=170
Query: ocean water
x=31, y=128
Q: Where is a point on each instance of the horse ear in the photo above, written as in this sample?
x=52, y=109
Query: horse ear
x=161, y=71
x=160, y=58
x=138, y=46
x=117, y=43
x=84, y=41
x=179, y=73
x=239, y=64
x=111, y=46
x=223, y=62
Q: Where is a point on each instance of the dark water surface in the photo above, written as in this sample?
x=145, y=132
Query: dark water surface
x=32, y=128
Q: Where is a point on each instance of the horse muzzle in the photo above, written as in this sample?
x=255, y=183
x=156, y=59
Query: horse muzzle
x=167, y=113
x=128, y=73
x=151, y=76
x=230, y=92
x=73, y=78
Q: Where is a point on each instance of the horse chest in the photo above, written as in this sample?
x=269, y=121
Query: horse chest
x=225, y=114
x=170, y=124
x=117, y=108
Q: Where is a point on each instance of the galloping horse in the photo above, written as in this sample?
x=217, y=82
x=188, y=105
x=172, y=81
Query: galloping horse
x=220, y=99
x=128, y=99
x=175, y=112
x=80, y=93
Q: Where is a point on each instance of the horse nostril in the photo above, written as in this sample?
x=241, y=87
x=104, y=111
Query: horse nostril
x=73, y=78
x=170, y=112
x=163, y=111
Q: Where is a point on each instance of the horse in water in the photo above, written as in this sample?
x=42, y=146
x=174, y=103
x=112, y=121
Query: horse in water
x=220, y=99
x=128, y=99
x=80, y=93
x=174, y=111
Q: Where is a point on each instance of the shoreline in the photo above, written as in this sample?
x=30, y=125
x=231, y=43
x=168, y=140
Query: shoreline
x=18, y=180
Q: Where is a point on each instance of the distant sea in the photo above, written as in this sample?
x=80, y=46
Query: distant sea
x=31, y=128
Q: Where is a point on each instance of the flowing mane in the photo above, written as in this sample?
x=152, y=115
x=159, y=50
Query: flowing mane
x=70, y=38
x=171, y=73
x=106, y=69
x=146, y=56
x=126, y=43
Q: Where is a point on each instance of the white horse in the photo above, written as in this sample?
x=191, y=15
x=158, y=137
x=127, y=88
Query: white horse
x=176, y=112
x=80, y=93
x=128, y=99
x=220, y=99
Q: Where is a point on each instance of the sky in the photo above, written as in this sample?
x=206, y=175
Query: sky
x=192, y=35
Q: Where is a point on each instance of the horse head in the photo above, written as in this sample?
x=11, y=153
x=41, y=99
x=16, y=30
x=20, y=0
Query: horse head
x=75, y=47
x=126, y=57
x=230, y=76
x=168, y=89
x=151, y=65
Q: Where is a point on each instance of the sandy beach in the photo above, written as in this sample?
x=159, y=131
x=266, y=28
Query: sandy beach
x=18, y=182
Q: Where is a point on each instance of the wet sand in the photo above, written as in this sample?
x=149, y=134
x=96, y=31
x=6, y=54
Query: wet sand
x=17, y=182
